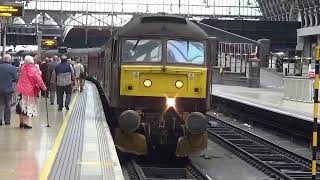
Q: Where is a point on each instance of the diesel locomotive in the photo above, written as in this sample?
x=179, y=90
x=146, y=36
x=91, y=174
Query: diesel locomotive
x=157, y=78
x=155, y=73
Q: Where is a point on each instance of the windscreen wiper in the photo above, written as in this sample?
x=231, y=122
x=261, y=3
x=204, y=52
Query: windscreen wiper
x=135, y=46
x=187, y=48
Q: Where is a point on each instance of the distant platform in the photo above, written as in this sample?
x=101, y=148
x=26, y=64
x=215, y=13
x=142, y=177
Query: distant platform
x=270, y=99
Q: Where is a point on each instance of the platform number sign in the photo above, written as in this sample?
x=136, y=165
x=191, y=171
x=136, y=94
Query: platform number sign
x=11, y=9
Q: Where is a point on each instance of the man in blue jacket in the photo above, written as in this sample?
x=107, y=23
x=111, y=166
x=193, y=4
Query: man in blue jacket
x=8, y=74
x=63, y=77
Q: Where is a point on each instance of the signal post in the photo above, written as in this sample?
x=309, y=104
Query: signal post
x=315, y=115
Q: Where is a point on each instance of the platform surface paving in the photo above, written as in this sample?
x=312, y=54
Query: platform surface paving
x=87, y=151
x=265, y=98
x=23, y=152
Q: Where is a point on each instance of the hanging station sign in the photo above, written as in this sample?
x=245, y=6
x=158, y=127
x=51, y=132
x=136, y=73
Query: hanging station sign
x=49, y=43
x=11, y=9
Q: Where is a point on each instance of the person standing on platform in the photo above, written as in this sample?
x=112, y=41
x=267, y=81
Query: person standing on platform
x=8, y=74
x=63, y=77
x=52, y=87
x=44, y=73
x=37, y=62
x=78, y=71
x=28, y=87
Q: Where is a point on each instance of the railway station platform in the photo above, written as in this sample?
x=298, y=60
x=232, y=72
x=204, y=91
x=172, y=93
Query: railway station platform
x=78, y=145
x=270, y=99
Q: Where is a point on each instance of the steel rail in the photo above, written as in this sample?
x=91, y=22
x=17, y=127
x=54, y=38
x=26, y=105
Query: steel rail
x=275, y=161
x=135, y=171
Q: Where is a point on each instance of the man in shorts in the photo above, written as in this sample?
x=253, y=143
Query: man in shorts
x=78, y=72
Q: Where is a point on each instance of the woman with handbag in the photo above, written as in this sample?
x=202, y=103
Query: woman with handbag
x=28, y=88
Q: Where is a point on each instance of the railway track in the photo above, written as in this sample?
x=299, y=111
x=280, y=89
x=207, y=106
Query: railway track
x=297, y=129
x=148, y=172
x=273, y=160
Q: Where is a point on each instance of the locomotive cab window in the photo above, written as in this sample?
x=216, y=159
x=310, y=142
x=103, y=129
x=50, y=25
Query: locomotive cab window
x=185, y=52
x=142, y=50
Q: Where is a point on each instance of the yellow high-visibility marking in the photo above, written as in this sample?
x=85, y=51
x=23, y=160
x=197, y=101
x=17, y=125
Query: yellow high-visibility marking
x=315, y=115
x=315, y=110
x=317, y=56
x=315, y=139
x=314, y=167
x=48, y=166
x=316, y=81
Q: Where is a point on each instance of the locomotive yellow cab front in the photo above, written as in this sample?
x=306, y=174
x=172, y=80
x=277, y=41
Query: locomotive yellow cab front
x=153, y=81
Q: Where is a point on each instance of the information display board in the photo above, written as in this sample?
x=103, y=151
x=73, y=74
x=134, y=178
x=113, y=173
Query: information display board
x=49, y=43
x=11, y=9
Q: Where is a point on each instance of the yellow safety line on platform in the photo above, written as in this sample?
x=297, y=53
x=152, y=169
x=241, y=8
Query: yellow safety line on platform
x=48, y=166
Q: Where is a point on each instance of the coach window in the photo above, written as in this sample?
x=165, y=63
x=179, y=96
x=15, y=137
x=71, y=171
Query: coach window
x=185, y=52
x=142, y=50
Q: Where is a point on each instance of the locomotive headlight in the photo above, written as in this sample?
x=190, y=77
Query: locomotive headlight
x=147, y=83
x=179, y=84
x=171, y=102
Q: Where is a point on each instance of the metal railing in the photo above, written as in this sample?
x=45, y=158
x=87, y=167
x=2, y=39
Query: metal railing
x=234, y=57
x=290, y=66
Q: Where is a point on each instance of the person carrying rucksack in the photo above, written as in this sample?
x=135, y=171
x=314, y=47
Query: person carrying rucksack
x=63, y=77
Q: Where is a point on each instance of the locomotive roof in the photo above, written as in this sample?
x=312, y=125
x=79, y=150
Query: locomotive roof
x=161, y=25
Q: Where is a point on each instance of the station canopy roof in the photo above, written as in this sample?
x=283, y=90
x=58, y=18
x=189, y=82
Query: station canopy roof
x=118, y=12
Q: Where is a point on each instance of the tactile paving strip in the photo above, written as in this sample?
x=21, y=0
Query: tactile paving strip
x=87, y=150
x=66, y=165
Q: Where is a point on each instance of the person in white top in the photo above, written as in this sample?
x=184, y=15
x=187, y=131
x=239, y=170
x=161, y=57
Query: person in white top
x=78, y=70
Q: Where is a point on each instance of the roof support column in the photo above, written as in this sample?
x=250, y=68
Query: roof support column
x=311, y=17
x=316, y=15
x=306, y=18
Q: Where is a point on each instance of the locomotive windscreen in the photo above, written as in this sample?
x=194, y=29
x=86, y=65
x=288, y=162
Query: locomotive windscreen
x=185, y=52
x=142, y=50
